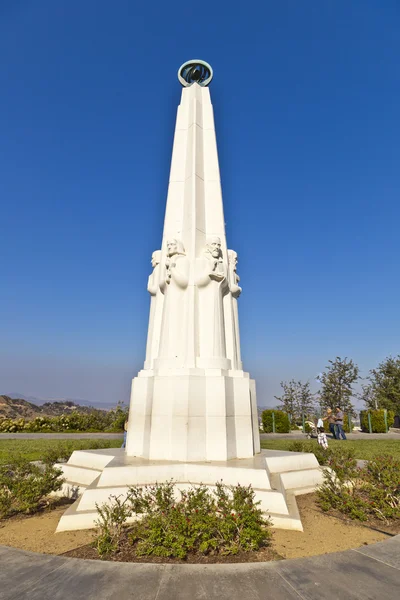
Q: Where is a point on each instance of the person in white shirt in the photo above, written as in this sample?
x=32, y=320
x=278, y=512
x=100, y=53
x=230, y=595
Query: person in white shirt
x=322, y=439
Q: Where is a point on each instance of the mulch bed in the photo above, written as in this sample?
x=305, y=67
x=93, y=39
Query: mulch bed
x=127, y=553
x=391, y=527
x=43, y=507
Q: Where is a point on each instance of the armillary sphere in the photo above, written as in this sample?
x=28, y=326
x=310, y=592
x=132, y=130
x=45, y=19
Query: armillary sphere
x=195, y=71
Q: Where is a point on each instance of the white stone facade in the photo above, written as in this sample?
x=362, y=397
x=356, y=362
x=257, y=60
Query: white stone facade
x=193, y=401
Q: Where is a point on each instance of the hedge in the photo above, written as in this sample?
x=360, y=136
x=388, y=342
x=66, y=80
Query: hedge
x=282, y=422
x=96, y=420
x=377, y=420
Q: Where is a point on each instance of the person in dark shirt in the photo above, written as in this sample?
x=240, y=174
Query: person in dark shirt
x=340, y=434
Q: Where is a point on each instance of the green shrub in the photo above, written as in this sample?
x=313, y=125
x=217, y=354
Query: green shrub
x=224, y=521
x=307, y=427
x=24, y=485
x=373, y=491
x=62, y=451
x=381, y=483
x=377, y=420
x=346, y=427
x=111, y=520
x=282, y=422
x=95, y=420
x=340, y=479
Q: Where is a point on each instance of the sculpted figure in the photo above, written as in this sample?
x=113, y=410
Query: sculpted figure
x=173, y=283
x=212, y=285
x=153, y=335
x=233, y=276
x=235, y=290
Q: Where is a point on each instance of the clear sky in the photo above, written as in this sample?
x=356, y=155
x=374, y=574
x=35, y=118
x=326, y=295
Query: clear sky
x=306, y=98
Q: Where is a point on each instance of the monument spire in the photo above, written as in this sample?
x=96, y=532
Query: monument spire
x=192, y=383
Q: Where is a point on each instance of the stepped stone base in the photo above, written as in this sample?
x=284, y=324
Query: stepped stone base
x=193, y=415
x=277, y=477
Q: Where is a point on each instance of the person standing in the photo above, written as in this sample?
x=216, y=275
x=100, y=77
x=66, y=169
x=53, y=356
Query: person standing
x=330, y=417
x=322, y=440
x=125, y=434
x=340, y=434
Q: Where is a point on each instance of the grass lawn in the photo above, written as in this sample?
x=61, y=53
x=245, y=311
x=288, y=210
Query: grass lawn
x=34, y=449
x=364, y=449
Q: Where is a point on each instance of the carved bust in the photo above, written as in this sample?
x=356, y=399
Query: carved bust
x=152, y=285
x=155, y=258
x=213, y=253
x=234, y=278
x=174, y=248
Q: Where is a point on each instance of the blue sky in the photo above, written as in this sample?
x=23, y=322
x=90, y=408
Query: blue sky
x=306, y=98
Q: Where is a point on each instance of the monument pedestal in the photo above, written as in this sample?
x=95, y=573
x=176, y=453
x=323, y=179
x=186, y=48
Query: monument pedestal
x=193, y=415
x=277, y=477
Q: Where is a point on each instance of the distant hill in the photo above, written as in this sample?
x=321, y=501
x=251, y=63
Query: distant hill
x=40, y=401
x=14, y=408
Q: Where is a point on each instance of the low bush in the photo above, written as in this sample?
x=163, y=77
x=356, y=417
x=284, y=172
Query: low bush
x=377, y=420
x=381, y=481
x=112, y=518
x=372, y=491
x=346, y=427
x=282, y=422
x=308, y=427
x=24, y=485
x=174, y=523
x=95, y=420
x=60, y=452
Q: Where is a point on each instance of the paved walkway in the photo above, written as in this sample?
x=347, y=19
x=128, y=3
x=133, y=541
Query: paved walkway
x=368, y=573
x=392, y=435
x=114, y=436
x=61, y=436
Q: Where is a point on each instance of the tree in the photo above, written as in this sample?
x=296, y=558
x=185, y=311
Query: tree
x=288, y=400
x=383, y=389
x=296, y=399
x=337, y=384
x=367, y=396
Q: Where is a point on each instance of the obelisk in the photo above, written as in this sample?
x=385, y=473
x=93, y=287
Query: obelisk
x=193, y=415
x=192, y=401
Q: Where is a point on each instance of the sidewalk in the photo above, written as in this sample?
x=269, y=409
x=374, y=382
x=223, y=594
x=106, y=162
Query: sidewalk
x=61, y=436
x=296, y=435
x=368, y=573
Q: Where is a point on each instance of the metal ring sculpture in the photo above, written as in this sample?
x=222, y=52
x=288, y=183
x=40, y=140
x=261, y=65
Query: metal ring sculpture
x=195, y=71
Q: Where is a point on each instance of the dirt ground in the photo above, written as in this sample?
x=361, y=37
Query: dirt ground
x=322, y=534
x=36, y=533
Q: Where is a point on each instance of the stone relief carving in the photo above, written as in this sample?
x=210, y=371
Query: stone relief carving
x=175, y=252
x=173, y=283
x=212, y=285
x=153, y=333
x=234, y=278
x=235, y=290
x=153, y=282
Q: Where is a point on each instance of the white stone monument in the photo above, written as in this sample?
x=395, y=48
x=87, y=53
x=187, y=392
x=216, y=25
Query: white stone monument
x=193, y=412
x=193, y=401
